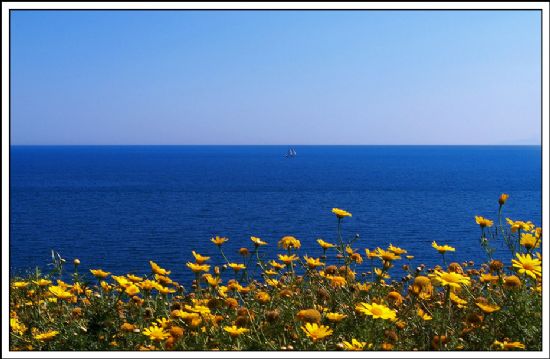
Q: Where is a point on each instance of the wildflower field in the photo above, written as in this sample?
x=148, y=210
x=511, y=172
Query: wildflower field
x=296, y=302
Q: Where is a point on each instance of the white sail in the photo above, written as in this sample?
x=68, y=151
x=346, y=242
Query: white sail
x=291, y=153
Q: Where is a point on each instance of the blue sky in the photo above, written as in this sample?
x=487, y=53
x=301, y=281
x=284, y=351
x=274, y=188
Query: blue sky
x=275, y=77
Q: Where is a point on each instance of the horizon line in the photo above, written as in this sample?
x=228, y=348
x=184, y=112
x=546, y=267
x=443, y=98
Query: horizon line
x=206, y=144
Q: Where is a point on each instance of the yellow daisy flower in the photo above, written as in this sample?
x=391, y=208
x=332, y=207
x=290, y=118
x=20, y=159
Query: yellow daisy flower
x=442, y=249
x=198, y=258
x=340, y=213
x=156, y=333
x=196, y=268
x=98, y=273
x=235, y=331
x=288, y=242
x=258, y=241
x=236, y=266
x=219, y=240
x=335, y=317
x=316, y=331
x=355, y=345
x=528, y=265
x=451, y=279
x=325, y=245
x=376, y=311
x=483, y=222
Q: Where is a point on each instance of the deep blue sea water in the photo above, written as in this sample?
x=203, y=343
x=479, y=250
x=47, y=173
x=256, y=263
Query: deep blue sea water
x=117, y=207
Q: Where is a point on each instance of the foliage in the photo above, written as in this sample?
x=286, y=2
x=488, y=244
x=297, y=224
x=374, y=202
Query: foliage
x=301, y=303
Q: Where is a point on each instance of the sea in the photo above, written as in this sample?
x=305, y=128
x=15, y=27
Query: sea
x=118, y=207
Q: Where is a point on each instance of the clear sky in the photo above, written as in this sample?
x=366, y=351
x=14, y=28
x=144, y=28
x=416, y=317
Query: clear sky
x=275, y=77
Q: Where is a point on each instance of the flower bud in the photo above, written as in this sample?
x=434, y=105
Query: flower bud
x=244, y=252
x=502, y=199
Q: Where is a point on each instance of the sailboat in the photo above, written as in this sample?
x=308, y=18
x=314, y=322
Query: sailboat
x=291, y=153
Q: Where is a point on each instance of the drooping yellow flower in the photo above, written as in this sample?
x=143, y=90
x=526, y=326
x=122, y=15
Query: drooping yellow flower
x=512, y=282
x=396, y=250
x=270, y=272
x=263, y=297
x=529, y=241
x=233, y=285
x=527, y=265
x=363, y=287
x=422, y=287
x=286, y=259
x=165, y=290
x=186, y=316
x=337, y=281
x=196, y=268
x=132, y=290
x=395, y=297
x=258, y=241
x=442, y=249
x=325, y=245
x=105, y=286
x=42, y=282
x=502, y=199
x=288, y=242
x=371, y=254
x=63, y=284
x=163, y=279
x=483, y=222
x=219, y=240
x=156, y=333
x=488, y=278
x=309, y=315
x=488, y=308
x=148, y=285
x=376, y=311
x=212, y=281
x=386, y=255
x=20, y=284
x=356, y=257
x=245, y=290
x=271, y=282
x=336, y=317
x=451, y=279
x=236, y=266
x=461, y=303
x=122, y=281
x=98, y=273
x=312, y=263
x=340, y=213
x=520, y=225
x=316, y=331
x=47, y=336
x=134, y=278
x=354, y=345
x=198, y=258
x=60, y=293
x=381, y=274
x=506, y=345
x=422, y=314
x=276, y=265
x=197, y=308
x=158, y=270
x=235, y=331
